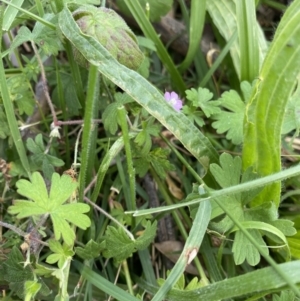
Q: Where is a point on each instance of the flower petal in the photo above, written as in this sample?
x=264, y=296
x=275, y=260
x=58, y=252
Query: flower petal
x=174, y=95
x=167, y=96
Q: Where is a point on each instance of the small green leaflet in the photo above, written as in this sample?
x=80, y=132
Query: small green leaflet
x=20, y=93
x=61, y=214
x=110, y=114
x=41, y=35
x=158, y=160
x=90, y=251
x=144, y=137
x=202, y=98
x=61, y=253
x=40, y=159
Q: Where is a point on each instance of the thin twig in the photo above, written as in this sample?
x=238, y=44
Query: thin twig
x=44, y=82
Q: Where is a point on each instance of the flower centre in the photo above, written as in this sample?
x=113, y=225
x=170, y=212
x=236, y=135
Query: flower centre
x=173, y=101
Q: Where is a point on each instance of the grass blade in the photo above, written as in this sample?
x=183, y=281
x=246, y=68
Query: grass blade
x=9, y=110
x=10, y=14
x=197, y=20
x=191, y=248
x=249, y=50
x=263, y=280
x=89, y=128
x=223, y=14
x=103, y=284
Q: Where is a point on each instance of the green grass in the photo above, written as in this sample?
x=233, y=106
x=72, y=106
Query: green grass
x=79, y=219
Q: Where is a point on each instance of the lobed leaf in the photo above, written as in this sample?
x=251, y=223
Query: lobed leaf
x=231, y=119
x=61, y=189
x=120, y=246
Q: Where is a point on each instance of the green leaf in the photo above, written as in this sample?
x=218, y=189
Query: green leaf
x=110, y=114
x=285, y=226
x=40, y=158
x=243, y=249
x=24, y=35
x=248, y=39
x=61, y=253
x=196, y=23
x=120, y=246
x=41, y=35
x=144, y=137
x=47, y=39
x=90, y=251
x=202, y=98
x=62, y=188
x=231, y=120
x=294, y=244
x=31, y=288
x=21, y=95
x=14, y=272
x=193, y=115
x=69, y=93
x=190, y=249
x=10, y=113
x=159, y=160
x=223, y=14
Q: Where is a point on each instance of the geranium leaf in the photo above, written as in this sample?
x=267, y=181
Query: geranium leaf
x=91, y=250
x=202, y=98
x=120, y=246
x=231, y=120
x=62, y=188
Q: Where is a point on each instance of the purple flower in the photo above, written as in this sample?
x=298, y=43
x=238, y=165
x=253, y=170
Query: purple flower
x=173, y=99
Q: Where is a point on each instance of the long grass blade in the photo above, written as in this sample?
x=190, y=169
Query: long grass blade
x=249, y=48
x=190, y=250
x=9, y=110
x=197, y=20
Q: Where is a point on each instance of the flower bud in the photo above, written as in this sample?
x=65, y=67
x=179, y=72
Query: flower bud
x=111, y=31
